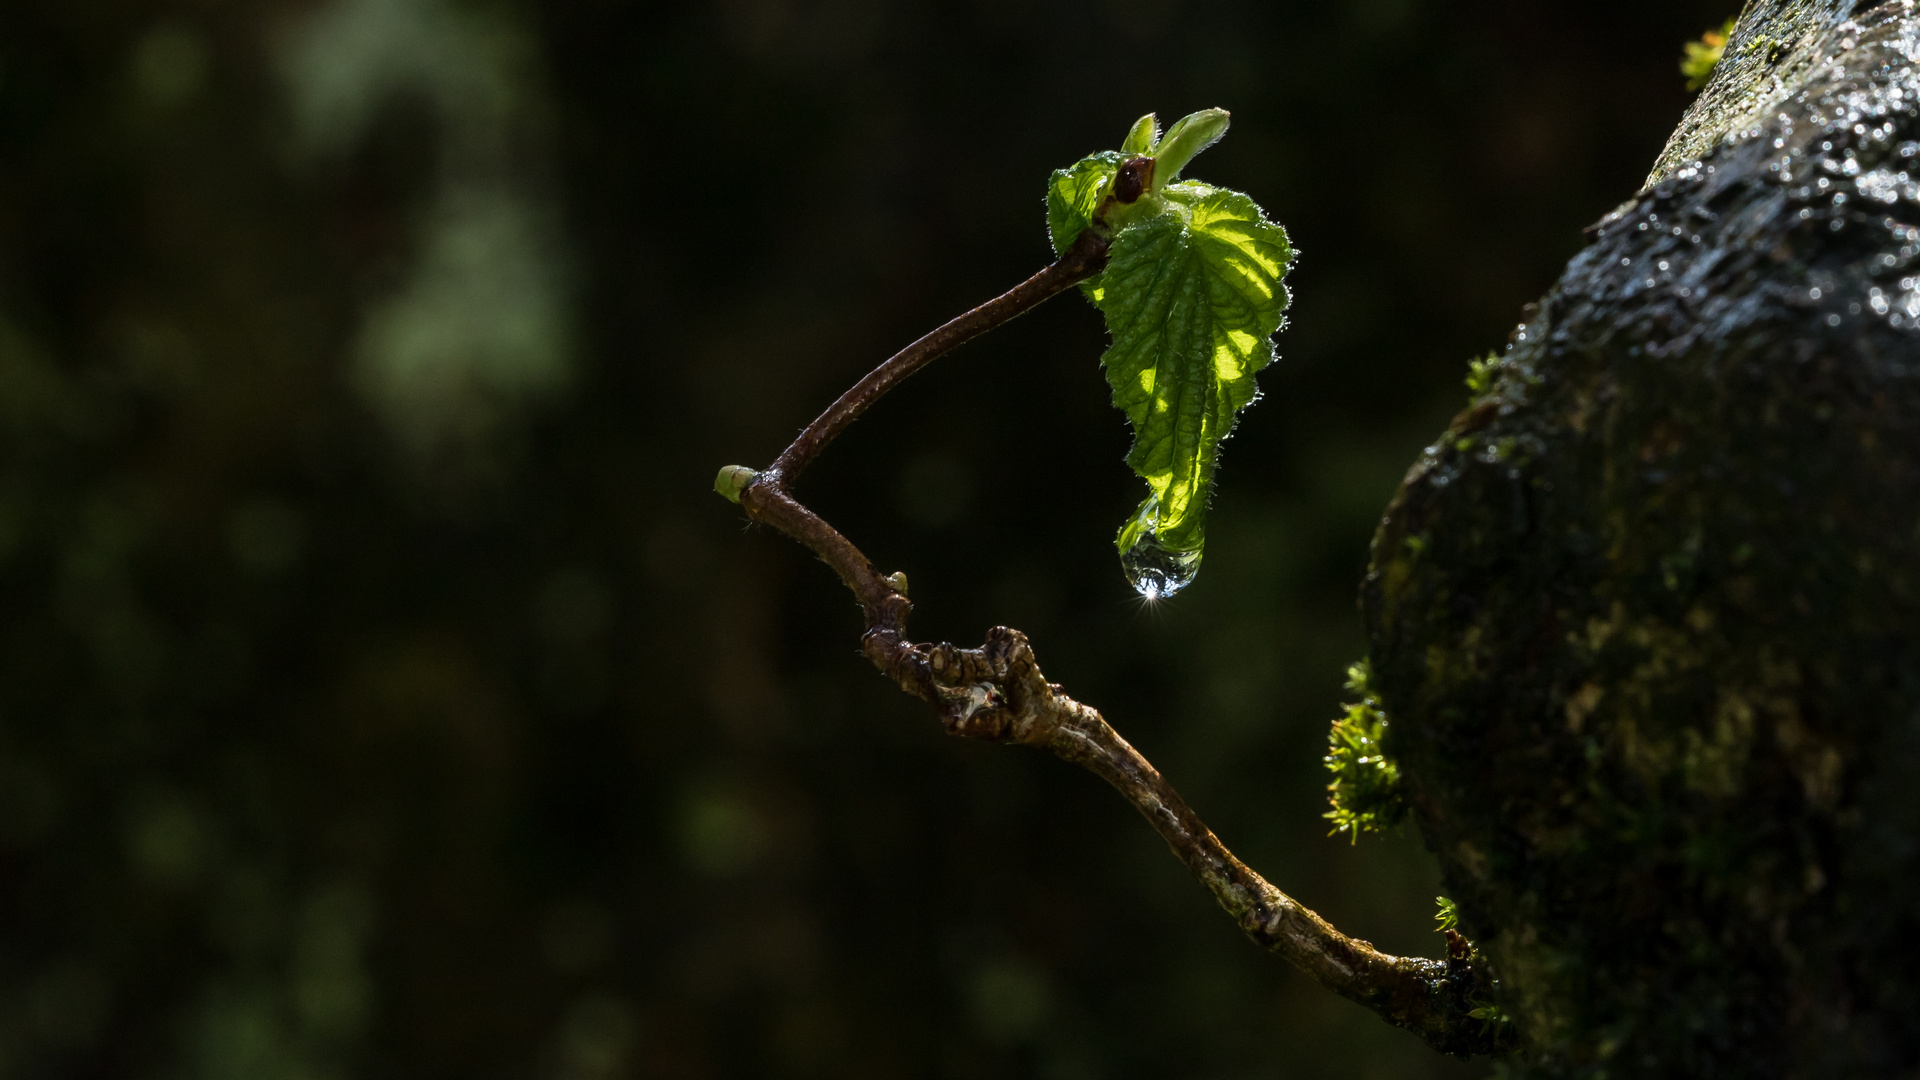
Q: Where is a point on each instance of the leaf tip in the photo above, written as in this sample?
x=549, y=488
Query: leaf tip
x=1143, y=136
x=1185, y=140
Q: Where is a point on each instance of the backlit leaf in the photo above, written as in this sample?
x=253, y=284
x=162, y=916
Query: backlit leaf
x=1075, y=193
x=1192, y=294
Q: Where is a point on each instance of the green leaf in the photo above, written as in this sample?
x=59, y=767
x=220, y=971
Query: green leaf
x=1448, y=917
x=1191, y=294
x=1143, y=138
x=1074, y=195
x=1184, y=141
x=1489, y=1013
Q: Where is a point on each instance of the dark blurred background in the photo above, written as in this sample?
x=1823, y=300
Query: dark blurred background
x=383, y=691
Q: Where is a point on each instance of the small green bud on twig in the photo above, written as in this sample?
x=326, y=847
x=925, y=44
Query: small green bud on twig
x=733, y=480
x=898, y=581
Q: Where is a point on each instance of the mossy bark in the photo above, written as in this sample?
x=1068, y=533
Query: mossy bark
x=1647, y=618
x=1774, y=48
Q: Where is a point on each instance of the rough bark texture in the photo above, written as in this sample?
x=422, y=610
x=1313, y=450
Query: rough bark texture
x=1647, y=618
x=1775, y=46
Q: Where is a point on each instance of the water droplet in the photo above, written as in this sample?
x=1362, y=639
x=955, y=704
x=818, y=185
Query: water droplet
x=1156, y=571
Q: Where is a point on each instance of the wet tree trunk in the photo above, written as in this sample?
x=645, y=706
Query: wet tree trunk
x=1646, y=618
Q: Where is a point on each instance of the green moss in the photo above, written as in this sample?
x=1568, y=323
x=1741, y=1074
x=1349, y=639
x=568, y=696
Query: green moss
x=1480, y=373
x=1365, y=792
x=1701, y=57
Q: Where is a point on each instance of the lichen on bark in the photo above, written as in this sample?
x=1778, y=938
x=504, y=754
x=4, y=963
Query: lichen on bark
x=1645, y=616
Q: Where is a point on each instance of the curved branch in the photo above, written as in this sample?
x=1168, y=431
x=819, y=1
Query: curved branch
x=1083, y=259
x=997, y=693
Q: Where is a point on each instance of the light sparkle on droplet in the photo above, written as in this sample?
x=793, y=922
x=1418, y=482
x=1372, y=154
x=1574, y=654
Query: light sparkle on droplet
x=1155, y=571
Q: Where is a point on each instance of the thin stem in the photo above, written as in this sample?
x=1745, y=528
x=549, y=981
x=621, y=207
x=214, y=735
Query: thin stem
x=1085, y=258
x=997, y=693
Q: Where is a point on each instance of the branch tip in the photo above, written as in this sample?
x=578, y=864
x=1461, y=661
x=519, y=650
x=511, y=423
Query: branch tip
x=733, y=480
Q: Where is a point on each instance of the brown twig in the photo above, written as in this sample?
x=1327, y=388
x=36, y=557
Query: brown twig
x=997, y=693
x=1082, y=260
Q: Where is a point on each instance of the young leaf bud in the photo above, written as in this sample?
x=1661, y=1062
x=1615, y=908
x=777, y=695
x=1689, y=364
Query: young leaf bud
x=1185, y=140
x=1142, y=138
x=1133, y=180
x=733, y=480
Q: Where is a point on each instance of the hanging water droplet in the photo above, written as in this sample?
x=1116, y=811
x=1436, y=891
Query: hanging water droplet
x=1156, y=571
